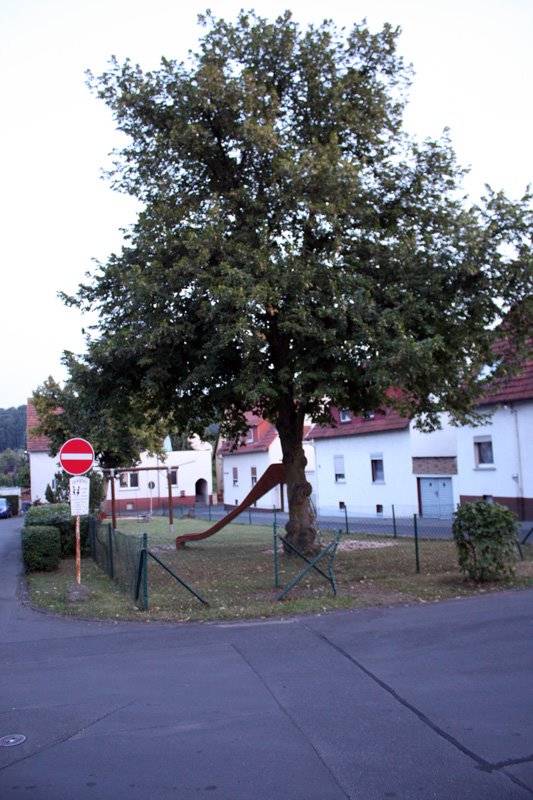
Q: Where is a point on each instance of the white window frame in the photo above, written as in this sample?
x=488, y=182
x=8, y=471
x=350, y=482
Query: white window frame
x=339, y=469
x=124, y=480
x=480, y=461
x=345, y=415
x=376, y=458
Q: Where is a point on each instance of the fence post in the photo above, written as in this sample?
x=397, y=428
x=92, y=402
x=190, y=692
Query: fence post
x=417, y=555
x=110, y=551
x=144, y=556
x=346, y=519
x=395, y=534
x=275, y=537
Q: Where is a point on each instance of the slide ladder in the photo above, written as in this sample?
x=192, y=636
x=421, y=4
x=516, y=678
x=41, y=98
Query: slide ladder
x=273, y=476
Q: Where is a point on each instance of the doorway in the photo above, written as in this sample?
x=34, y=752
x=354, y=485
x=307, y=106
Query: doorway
x=436, y=497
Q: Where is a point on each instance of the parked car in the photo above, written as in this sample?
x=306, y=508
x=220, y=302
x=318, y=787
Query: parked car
x=5, y=508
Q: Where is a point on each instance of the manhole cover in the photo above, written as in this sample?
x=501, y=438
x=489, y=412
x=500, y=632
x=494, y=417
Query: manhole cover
x=12, y=740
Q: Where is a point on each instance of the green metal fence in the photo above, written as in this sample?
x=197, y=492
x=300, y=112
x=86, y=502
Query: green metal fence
x=120, y=555
x=248, y=562
x=125, y=558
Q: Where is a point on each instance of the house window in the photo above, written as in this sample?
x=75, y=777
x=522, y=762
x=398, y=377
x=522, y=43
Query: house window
x=250, y=436
x=128, y=479
x=345, y=415
x=338, y=468
x=378, y=473
x=235, y=476
x=174, y=477
x=253, y=471
x=483, y=451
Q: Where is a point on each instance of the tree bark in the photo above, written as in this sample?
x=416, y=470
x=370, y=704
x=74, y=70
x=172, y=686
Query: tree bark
x=301, y=529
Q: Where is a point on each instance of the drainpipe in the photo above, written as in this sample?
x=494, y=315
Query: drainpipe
x=518, y=476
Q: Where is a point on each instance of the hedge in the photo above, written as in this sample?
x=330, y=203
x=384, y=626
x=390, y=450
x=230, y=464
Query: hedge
x=41, y=548
x=58, y=514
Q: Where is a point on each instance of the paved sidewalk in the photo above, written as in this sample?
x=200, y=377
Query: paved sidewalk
x=419, y=702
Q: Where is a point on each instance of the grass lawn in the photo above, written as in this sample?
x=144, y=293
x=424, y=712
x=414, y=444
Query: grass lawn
x=234, y=572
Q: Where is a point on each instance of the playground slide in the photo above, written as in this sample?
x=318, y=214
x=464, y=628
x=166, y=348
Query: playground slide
x=273, y=475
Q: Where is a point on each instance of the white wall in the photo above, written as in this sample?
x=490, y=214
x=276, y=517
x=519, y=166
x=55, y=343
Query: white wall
x=192, y=465
x=234, y=495
x=359, y=493
x=42, y=470
x=440, y=443
x=512, y=470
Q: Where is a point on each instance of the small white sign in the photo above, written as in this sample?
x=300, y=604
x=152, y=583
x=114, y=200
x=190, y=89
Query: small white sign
x=79, y=496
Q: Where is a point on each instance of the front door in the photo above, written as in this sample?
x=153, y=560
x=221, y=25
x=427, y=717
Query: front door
x=436, y=497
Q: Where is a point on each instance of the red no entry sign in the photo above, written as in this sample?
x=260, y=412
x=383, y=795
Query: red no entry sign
x=76, y=456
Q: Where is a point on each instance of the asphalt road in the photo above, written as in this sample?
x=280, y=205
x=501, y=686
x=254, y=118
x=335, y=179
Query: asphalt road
x=419, y=702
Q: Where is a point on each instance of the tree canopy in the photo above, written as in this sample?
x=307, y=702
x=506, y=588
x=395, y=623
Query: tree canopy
x=117, y=431
x=296, y=248
x=13, y=428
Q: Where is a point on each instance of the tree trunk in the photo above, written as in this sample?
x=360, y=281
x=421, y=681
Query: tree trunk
x=301, y=528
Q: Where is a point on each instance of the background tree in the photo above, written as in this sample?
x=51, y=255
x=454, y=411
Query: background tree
x=11, y=462
x=296, y=249
x=61, y=492
x=118, y=433
x=13, y=428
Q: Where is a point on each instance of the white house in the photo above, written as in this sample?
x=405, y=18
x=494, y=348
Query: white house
x=369, y=464
x=495, y=461
x=145, y=488
x=363, y=464
x=43, y=466
x=242, y=466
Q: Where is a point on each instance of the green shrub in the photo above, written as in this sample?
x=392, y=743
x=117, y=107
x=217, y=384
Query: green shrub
x=41, y=550
x=485, y=535
x=58, y=514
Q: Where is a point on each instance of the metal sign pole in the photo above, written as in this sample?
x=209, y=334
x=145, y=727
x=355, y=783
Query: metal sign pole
x=78, y=551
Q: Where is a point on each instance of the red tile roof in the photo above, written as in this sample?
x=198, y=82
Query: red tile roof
x=264, y=434
x=36, y=444
x=519, y=387
x=383, y=420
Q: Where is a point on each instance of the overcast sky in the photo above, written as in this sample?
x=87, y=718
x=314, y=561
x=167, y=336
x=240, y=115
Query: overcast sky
x=473, y=73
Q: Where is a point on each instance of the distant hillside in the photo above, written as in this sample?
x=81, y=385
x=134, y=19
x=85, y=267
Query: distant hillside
x=13, y=428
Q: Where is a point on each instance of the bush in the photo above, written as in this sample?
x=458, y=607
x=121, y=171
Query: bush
x=485, y=535
x=58, y=514
x=41, y=549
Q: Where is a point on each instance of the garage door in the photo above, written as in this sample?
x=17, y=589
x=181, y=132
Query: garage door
x=436, y=497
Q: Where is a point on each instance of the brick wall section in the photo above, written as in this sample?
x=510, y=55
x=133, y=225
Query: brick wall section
x=522, y=506
x=441, y=465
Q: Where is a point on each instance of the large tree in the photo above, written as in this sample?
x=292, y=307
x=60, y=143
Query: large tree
x=296, y=249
